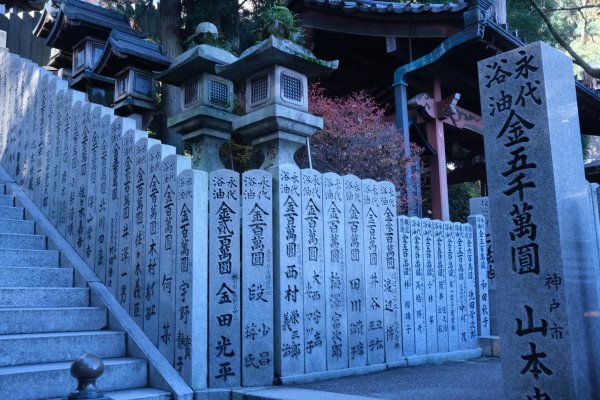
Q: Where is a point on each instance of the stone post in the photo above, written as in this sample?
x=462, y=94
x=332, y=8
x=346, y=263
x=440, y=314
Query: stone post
x=541, y=217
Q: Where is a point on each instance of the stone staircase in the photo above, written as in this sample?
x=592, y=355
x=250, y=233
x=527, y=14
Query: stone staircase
x=45, y=323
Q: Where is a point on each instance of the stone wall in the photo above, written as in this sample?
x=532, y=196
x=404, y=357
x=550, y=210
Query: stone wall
x=266, y=276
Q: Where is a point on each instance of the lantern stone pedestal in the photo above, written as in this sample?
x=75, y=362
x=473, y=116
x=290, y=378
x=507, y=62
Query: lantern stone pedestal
x=278, y=132
x=207, y=129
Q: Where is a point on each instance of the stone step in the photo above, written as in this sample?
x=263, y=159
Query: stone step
x=7, y=200
x=136, y=394
x=43, y=297
x=35, y=277
x=43, y=381
x=16, y=226
x=28, y=258
x=21, y=349
x=39, y=320
x=11, y=212
x=140, y=394
x=23, y=242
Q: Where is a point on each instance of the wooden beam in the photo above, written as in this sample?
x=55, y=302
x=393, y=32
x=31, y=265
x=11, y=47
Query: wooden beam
x=409, y=27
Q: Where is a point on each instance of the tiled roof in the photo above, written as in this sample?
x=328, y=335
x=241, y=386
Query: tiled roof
x=387, y=7
x=130, y=50
x=76, y=19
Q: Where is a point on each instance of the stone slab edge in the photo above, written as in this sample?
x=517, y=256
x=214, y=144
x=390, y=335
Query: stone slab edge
x=161, y=374
x=291, y=393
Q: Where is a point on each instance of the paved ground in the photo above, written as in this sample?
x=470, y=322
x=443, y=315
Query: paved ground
x=467, y=380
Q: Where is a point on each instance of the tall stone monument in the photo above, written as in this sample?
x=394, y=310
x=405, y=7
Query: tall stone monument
x=541, y=217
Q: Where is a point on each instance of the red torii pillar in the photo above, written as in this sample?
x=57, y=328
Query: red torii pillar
x=435, y=113
x=435, y=136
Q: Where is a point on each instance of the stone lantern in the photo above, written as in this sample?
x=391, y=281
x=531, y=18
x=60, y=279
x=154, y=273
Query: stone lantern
x=60, y=60
x=206, y=101
x=276, y=73
x=82, y=29
x=131, y=60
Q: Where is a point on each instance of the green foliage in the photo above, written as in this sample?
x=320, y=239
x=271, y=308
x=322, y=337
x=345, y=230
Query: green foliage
x=521, y=16
x=576, y=21
x=280, y=22
x=458, y=199
x=236, y=21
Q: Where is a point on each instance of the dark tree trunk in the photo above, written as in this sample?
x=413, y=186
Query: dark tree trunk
x=170, y=26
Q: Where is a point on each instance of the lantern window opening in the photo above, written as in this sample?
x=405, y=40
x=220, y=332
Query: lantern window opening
x=291, y=88
x=191, y=93
x=86, y=54
x=97, y=49
x=123, y=85
x=259, y=90
x=219, y=93
x=79, y=57
x=142, y=84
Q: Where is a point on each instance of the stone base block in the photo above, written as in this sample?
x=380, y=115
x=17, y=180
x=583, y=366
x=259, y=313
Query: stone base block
x=490, y=345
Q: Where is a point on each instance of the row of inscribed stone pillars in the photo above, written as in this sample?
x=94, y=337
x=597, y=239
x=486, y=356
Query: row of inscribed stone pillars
x=297, y=274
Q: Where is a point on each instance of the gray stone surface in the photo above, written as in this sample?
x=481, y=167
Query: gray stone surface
x=542, y=224
x=98, y=194
x=406, y=286
x=140, y=179
x=472, y=309
x=333, y=255
x=314, y=218
x=373, y=273
x=224, y=273
x=461, y=286
x=43, y=297
x=118, y=127
x=288, y=273
x=441, y=292
x=468, y=380
x=156, y=156
x=171, y=167
x=63, y=165
x=19, y=241
x=257, y=274
x=33, y=348
x=481, y=206
x=126, y=245
x=430, y=284
x=191, y=275
x=49, y=138
x=21, y=382
x=37, y=320
x=91, y=199
x=35, y=277
x=6, y=200
x=451, y=282
x=419, y=288
x=83, y=142
x=53, y=153
x=355, y=275
x=29, y=258
x=391, y=272
x=71, y=157
x=478, y=223
x=14, y=213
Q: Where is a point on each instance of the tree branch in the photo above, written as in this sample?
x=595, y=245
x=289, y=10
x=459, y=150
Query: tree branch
x=576, y=57
x=574, y=8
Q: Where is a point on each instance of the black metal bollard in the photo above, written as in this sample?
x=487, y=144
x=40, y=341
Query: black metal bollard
x=86, y=369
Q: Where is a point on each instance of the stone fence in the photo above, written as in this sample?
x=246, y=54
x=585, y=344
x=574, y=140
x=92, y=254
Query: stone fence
x=265, y=276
